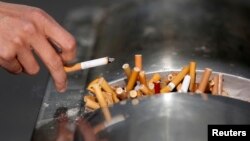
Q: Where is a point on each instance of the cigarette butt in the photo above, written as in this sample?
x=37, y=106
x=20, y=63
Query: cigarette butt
x=132, y=79
x=91, y=104
x=88, y=64
x=176, y=80
x=133, y=94
x=185, y=84
x=204, y=80
x=142, y=78
x=151, y=87
x=108, y=98
x=127, y=70
x=99, y=95
x=215, y=86
x=106, y=114
x=104, y=84
x=192, y=74
x=139, y=93
x=220, y=85
x=178, y=88
x=157, y=87
x=121, y=93
x=90, y=86
x=156, y=77
x=89, y=97
x=171, y=76
x=138, y=61
x=145, y=90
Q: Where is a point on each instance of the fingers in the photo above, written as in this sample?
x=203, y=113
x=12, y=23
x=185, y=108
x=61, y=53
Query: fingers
x=12, y=66
x=28, y=61
x=58, y=35
x=52, y=61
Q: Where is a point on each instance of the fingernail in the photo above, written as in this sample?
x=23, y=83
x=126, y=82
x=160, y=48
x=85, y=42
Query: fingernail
x=64, y=88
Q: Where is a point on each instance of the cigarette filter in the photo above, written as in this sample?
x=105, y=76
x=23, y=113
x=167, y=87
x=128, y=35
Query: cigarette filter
x=145, y=90
x=138, y=61
x=204, y=80
x=156, y=77
x=90, y=86
x=133, y=94
x=185, y=84
x=192, y=74
x=142, y=78
x=99, y=95
x=215, y=87
x=121, y=93
x=89, y=64
x=104, y=84
x=91, y=104
x=132, y=79
x=127, y=70
x=176, y=80
x=89, y=97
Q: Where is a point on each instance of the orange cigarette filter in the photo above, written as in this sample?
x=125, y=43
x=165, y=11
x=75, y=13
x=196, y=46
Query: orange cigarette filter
x=73, y=68
x=138, y=61
x=145, y=90
x=204, y=80
x=120, y=93
x=90, y=86
x=89, y=97
x=99, y=95
x=132, y=79
x=176, y=80
x=215, y=86
x=108, y=98
x=142, y=78
x=192, y=74
x=127, y=70
x=156, y=77
x=91, y=104
x=106, y=87
x=133, y=94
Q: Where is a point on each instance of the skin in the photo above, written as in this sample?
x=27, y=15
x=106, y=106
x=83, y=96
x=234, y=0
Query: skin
x=26, y=30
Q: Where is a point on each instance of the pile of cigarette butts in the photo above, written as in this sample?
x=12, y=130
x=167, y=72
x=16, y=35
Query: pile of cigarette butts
x=102, y=94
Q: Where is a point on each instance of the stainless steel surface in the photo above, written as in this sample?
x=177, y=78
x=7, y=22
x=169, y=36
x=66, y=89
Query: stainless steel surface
x=169, y=34
x=171, y=117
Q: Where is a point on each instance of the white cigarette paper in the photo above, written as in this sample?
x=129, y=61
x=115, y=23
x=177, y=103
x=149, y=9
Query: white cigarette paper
x=185, y=84
x=94, y=63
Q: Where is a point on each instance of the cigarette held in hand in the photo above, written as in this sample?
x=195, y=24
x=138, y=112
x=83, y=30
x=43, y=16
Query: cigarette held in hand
x=89, y=64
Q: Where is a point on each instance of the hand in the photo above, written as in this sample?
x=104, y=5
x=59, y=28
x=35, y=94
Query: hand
x=24, y=30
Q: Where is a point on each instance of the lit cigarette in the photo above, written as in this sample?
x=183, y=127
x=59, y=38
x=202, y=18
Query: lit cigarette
x=156, y=77
x=127, y=70
x=133, y=94
x=121, y=93
x=99, y=95
x=132, y=79
x=104, y=84
x=185, y=84
x=91, y=104
x=176, y=80
x=138, y=61
x=142, y=78
x=215, y=86
x=204, y=80
x=220, y=86
x=89, y=64
x=192, y=74
x=145, y=90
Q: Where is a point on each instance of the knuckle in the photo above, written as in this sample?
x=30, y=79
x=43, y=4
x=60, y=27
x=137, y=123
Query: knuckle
x=29, y=28
x=71, y=44
x=38, y=13
x=17, y=42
